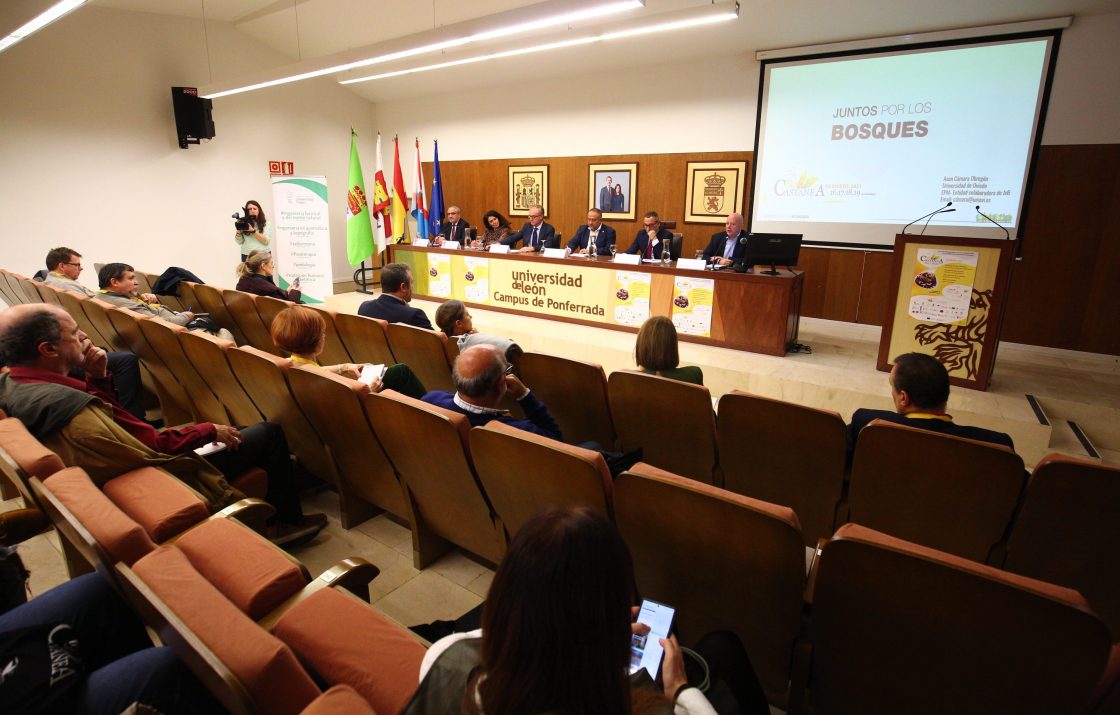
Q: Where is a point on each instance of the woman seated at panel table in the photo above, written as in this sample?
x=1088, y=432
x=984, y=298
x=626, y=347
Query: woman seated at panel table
x=557, y=629
x=453, y=319
x=656, y=352
x=496, y=227
x=254, y=275
x=302, y=332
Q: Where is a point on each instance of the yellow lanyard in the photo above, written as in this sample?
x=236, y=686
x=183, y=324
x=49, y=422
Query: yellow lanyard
x=928, y=416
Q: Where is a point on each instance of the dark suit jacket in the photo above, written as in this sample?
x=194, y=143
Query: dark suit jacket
x=640, y=241
x=392, y=309
x=862, y=417
x=547, y=236
x=602, y=242
x=445, y=230
x=719, y=243
x=605, y=198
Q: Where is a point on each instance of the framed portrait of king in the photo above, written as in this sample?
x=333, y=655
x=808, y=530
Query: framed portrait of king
x=714, y=190
x=528, y=186
x=613, y=189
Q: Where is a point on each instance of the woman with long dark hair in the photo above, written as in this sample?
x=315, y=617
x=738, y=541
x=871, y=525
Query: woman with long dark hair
x=556, y=633
x=259, y=235
x=495, y=228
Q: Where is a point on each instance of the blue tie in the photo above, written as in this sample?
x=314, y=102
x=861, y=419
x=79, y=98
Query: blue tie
x=535, y=229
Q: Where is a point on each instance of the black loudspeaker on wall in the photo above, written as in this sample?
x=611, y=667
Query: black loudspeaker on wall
x=193, y=121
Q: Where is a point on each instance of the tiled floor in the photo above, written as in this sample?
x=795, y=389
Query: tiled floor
x=840, y=375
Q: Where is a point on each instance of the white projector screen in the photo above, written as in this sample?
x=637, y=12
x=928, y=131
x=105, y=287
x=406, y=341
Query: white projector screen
x=851, y=148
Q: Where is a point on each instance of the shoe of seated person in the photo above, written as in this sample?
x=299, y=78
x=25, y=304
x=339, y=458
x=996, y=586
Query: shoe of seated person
x=282, y=534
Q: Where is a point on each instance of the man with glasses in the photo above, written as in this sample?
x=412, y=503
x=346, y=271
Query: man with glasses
x=651, y=238
x=453, y=228
x=482, y=378
x=536, y=234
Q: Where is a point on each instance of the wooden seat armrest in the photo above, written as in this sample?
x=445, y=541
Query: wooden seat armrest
x=353, y=574
x=251, y=512
x=811, y=578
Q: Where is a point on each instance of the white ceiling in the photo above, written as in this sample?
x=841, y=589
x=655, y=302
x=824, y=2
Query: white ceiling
x=307, y=29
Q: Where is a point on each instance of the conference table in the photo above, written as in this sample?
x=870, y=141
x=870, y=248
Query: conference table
x=745, y=311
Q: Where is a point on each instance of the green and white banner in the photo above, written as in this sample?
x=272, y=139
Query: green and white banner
x=303, y=236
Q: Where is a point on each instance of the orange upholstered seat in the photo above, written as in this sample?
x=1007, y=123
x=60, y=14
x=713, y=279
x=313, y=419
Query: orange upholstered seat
x=160, y=503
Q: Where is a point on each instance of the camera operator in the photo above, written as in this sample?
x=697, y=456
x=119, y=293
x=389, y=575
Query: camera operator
x=252, y=231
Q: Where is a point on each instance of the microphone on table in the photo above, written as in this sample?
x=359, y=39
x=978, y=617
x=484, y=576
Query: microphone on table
x=1006, y=233
x=930, y=214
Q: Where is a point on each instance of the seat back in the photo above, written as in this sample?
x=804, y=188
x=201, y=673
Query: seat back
x=333, y=405
x=98, y=316
x=176, y=403
x=366, y=339
x=446, y=499
x=425, y=352
x=948, y=493
x=72, y=303
x=268, y=308
x=143, y=285
x=724, y=561
x=1067, y=530
x=243, y=310
x=208, y=354
x=23, y=457
x=164, y=339
x=210, y=300
x=900, y=628
x=264, y=378
x=671, y=421
x=784, y=453
x=524, y=474
x=576, y=395
x=247, y=669
x=8, y=289
x=187, y=296
x=676, y=245
x=27, y=287
x=334, y=352
x=46, y=293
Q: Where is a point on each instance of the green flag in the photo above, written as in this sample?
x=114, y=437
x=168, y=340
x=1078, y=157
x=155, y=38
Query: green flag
x=359, y=232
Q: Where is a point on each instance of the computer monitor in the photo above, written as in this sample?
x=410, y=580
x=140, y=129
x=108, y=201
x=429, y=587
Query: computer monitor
x=773, y=249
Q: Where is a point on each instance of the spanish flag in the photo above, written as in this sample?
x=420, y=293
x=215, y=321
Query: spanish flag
x=398, y=210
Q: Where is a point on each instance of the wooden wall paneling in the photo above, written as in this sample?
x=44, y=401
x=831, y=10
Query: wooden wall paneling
x=842, y=289
x=875, y=287
x=814, y=263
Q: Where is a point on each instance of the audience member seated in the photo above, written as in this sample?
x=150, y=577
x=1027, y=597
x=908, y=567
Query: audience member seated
x=43, y=346
x=79, y=649
x=254, y=275
x=482, y=378
x=920, y=391
x=396, y=293
x=453, y=228
x=455, y=322
x=593, y=231
x=118, y=287
x=535, y=235
x=302, y=332
x=496, y=228
x=655, y=352
x=557, y=633
x=65, y=265
x=725, y=247
x=651, y=238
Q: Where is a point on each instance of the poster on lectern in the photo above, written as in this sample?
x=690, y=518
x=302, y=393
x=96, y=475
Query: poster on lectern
x=303, y=236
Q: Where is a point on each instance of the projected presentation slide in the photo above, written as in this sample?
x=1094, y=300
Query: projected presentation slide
x=884, y=139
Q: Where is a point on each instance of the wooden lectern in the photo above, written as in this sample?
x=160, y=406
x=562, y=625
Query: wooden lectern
x=948, y=299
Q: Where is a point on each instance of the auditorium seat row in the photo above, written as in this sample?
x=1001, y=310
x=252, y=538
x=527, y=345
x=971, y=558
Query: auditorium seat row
x=243, y=615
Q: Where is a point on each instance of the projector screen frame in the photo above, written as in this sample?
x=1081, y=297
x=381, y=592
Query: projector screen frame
x=1051, y=30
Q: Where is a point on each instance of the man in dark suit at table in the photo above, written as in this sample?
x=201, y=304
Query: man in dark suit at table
x=392, y=304
x=605, y=195
x=726, y=247
x=651, y=238
x=535, y=234
x=596, y=230
x=454, y=227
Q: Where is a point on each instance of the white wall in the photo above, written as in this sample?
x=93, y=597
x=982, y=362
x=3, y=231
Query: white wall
x=708, y=105
x=89, y=156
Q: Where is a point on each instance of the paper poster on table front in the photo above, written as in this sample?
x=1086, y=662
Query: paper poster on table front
x=630, y=297
x=942, y=285
x=439, y=275
x=692, y=305
x=471, y=278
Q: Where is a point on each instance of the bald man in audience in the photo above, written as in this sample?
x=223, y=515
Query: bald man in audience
x=920, y=392
x=482, y=378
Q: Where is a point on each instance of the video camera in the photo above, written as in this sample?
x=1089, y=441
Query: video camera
x=244, y=223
